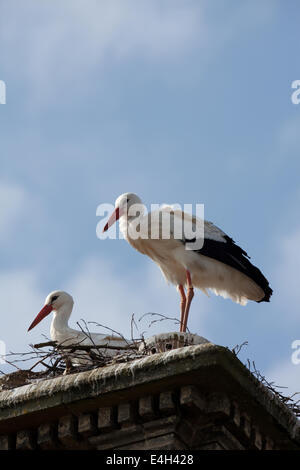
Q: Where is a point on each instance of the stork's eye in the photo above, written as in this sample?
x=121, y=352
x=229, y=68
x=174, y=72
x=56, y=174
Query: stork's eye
x=54, y=298
x=127, y=200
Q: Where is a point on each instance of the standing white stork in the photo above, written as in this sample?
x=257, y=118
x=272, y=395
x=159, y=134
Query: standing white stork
x=220, y=265
x=61, y=304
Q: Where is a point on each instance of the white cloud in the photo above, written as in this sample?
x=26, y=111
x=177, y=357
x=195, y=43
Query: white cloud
x=21, y=216
x=57, y=47
x=20, y=299
x=57, y=44
x=13, y=203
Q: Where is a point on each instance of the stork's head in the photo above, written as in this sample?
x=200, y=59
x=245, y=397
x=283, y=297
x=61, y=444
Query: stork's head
x=53, y=303
x=127, y=205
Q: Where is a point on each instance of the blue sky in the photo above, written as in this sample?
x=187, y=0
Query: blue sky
x=179, y=101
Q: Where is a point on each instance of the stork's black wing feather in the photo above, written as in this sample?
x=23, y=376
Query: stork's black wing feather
x=229, y=253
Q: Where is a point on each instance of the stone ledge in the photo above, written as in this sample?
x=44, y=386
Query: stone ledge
x=208, y=367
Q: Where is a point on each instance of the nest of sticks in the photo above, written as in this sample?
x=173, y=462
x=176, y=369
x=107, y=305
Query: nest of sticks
x=50, y=359
x=290, y=401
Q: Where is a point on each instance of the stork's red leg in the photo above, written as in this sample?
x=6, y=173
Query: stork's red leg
x=189, y=298
x=182, y=305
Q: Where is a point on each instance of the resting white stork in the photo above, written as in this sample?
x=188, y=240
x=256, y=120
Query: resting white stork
x=220, y=265
x=61, y=304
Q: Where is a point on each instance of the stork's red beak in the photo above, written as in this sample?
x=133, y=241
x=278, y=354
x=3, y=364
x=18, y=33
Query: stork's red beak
x=113, y=218
x=43, y=313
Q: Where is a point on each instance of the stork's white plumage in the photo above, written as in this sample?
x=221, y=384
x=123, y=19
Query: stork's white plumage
x=220, y=265
x=61, y=304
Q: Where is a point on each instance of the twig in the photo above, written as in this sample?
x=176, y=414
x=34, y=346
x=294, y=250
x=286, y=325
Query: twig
x=271, y=386
x=237, y=349
x=83, y=347
x=113, y=331
x=43, y=345
x=162, y=318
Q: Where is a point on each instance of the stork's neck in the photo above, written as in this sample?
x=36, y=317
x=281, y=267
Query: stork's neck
x=60, y=320
x=124, y=225
x=126, y=220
